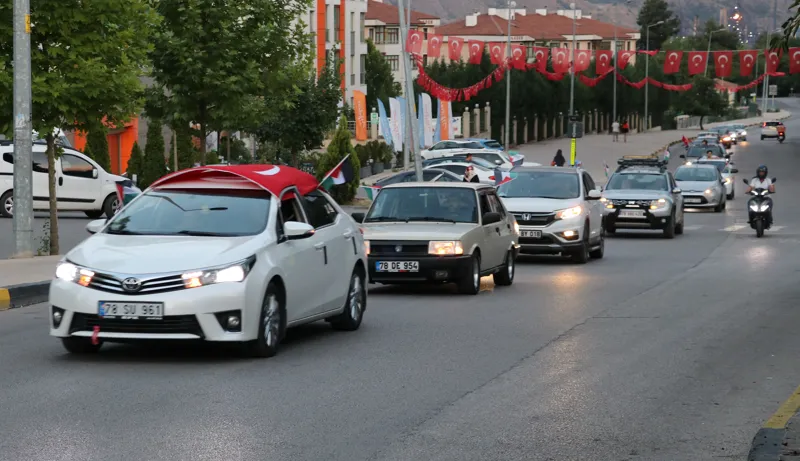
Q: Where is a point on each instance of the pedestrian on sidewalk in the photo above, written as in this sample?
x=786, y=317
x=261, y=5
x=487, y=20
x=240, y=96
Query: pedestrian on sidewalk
x=625, y=129
x=615, y=130
x=559, y=159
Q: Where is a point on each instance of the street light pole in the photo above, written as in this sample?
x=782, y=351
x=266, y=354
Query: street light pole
x=616, y=52
x=511, y=6
x=572, y=74
x=647, y=75
x=411, y=120
x=708, y=53
x=22, y=200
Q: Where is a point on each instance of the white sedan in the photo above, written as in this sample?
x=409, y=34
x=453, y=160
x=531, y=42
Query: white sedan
x=222, y=253
x=484, y=174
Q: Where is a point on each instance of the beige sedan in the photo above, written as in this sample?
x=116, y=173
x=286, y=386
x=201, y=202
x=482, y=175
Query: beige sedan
x=440, y=233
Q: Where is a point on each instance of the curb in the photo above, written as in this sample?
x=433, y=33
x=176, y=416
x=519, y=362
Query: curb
x=23, y=295
x=778, y=439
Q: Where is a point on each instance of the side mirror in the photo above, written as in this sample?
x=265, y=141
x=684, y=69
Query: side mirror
x=594, y=194
x=491, y=218
x=95, y=226
x=677, y=190
x=683, y=156
x=774, y=180
x=94, y=173
x=297, y=230
x=734, y=171
x=498, y=162
x=745, y=181
x=359, y=217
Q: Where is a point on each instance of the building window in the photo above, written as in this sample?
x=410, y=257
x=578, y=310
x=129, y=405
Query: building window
x=393, y=36
x=361, y=26
x=371, y=33
x=352, y=79
x=425, y=32
x=352, y=22
x=394, y=62
x=363, y=69
x=380, y=35
x=311, y=26
x=352, y=43
x=336, y=23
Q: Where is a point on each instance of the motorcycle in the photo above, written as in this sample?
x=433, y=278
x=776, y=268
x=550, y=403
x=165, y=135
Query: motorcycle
x=781, y=137
x=759, y=209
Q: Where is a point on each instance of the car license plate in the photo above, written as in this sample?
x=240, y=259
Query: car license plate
x=531, y=233
x=397, y=266
x=130, y=310
x=631, y=214
x=692, y=200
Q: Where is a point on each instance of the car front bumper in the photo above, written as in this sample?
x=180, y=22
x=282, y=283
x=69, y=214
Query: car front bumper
x=561, y=236
x=432, y=269
x=652, y=219
x=701, y=200
x=189, y=314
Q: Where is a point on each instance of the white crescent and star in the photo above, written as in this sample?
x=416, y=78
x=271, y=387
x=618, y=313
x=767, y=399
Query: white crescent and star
x=561, y=56
x=474, y=48
x=673, y=56
x=603, y=57
x=697, y=58
x=496, y=50
x=539, y=54
x=271, y=172
x=794, y=56
x=517, y=52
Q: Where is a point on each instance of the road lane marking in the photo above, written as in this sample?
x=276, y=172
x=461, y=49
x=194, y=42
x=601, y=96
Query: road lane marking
x=785, y=412
x=734, y=227
x=694, y=227
x=776, y=228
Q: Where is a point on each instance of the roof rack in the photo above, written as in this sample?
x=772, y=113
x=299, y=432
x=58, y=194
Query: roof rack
x=641, y=161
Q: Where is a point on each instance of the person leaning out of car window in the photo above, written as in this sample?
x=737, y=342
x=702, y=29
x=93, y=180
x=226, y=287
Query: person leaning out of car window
x=470, y=175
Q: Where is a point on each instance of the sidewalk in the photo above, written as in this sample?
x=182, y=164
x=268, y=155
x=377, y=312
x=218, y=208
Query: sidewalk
x=25, y=281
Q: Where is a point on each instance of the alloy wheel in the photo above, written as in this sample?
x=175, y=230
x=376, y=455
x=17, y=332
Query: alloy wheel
x=356, y=295
x=272, y=321
x=9, y=205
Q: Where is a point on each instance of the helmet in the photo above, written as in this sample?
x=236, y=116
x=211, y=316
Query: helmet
x=761, y=169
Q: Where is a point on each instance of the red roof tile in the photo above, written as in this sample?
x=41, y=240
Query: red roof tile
x=550, y=27
x=387, y=14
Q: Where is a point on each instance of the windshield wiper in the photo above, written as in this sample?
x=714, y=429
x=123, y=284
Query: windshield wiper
x=124, y=232
x=550, y=196
x=201, y=233
x=429, y=218
x=382, y=218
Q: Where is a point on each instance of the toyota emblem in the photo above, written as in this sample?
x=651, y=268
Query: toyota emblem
x=398, y=248
x=131, y=284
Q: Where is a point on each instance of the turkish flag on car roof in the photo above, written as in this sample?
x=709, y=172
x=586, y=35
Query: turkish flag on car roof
x=697, y=62
x=672, y=62
x=722, y=63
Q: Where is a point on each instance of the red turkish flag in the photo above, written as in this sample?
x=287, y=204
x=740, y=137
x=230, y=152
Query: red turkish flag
x=602, y=63
x=414, y=42
x=697, y=62
x=794, y=60
x=475, y=51
x=747, y=60
x=560, y=60
x=497, y=52
x=583, y=59
x=672, y=62
x=540, y=54
x=455, y=45
x=624, y=58
x=519, y=56
x=435, y=46
x=722, y=63
x=773, y=60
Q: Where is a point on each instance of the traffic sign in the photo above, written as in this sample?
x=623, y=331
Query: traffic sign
x=773, y=90
x=575, y=129
x=373, y=118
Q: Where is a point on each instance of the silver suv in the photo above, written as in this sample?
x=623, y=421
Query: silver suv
x=642, y=194
x=440, y=232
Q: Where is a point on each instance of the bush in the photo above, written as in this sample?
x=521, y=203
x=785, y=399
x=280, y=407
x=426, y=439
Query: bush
x=363, y=154
x=240, y=154
x=340, y=147
x=136, y=163
x=154, y=165
x=97, y=143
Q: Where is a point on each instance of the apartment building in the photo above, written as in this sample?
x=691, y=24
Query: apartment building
x=339, y=25
x=552, y=29
x=383, y=28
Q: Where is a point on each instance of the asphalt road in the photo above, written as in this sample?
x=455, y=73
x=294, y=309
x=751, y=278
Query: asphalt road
x=664, y=350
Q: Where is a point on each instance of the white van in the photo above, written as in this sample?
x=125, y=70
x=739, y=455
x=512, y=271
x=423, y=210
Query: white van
x=81, y=184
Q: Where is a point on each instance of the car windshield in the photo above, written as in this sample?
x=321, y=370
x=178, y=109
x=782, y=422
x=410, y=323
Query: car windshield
x=447, y=204
x=393, y=179
x=492, y=144
x=695, y=174
x=720, y=165
x=637, y=181
x=220, y=213
x=700, y=151
x=541, y=184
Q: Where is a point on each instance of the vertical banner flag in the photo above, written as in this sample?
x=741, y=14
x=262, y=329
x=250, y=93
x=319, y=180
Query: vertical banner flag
x=360, y=109
x=747, y=60
x=722, y=63
x=386, y=130
x=794, y=60
x=445, y=119
x=623, y=59
x=540, y=54
x=697, y=62
x=434, y=46
x=497, y=52
x=560, y=60
x=773, y=60
x=602, y=62
x=427, y=111
x=519, y=57
x=414, y=41
x=454, y=45
x=437, y=133
x=396, y=124
x=475, y=51
x=672, y=63
x=403, y=120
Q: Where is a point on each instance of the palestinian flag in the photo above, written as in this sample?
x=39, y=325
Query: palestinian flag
x=371, y=191
x=126, y=191
x=503, y=176
x=606, y=169
x=340, y=174
x=516, y=158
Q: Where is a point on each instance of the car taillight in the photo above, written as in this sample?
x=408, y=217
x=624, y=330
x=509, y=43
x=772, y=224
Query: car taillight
x=491, y=178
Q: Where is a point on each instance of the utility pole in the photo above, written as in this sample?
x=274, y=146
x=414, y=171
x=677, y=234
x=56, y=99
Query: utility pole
x=511, y=6
x=616, y=55
x=22, y=202
x=411, y=120
x=572, y=74
x=647, y=76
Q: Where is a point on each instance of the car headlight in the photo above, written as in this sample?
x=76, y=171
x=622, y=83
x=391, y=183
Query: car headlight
x=71, y=273
x=366, y=247
x=708, y=192
x=573, y=212
x=603, y=200
x=660, y=203
x=744, y=133
x=727, y=180
x=446, y=247
x=516, y=228
x=230, y=274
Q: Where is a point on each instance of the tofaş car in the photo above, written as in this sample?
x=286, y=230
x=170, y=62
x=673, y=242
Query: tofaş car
x=440, y=233
x=221, y=254
x=728, y=171
x=642, y=194
x=771, y=129
x=558, y=211
x=702, y=186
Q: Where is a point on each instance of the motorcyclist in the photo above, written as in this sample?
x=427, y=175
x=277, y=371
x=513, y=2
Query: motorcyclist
x=761, y=181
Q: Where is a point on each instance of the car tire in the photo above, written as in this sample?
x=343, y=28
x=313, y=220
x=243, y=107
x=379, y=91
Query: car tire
x=581, y=255
x=505, y=277
x=354, y=305
x=679, y=228
x=470, y=284
x=110, y=205
x=762, y=138
x=669, y=230
x=600, y=251
x=75, y=345
x=271, y=324
x=609, y=228
x=94, y=214
x=7, y=205
x=719, y=207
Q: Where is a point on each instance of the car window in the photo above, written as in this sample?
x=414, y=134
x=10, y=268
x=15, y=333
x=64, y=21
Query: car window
x=637, y=181
x=542, y=184
x=496, y=204
x=319, y=210
x=485, y=206
x=696, y=174
x=472, y=145
x=39, y=161
x=720, y=164
x=424, y=204
x=457, y=169
x=72, y=165
x=492, y=144
x=447, y=178
x=226, y=213
x=428, y=175
x=700, y=151
x=589, y=182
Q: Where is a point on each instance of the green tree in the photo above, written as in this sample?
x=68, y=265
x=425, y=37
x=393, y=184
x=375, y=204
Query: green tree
x=216, y=59
x=340, y=146
x=136, y=163
x=721, y=38
x=703, y=100
x=379, y=78
x=187, y=154
x=651, y=12
x=86, y=64
x=789, y=28
x=97, y=138
x=154, y=165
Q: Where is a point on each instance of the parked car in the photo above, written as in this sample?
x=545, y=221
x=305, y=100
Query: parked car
x=698, y=150
x=487, y=143
x=495, y=157
x=428, y=174
x=221, y=254
x=442, y=233
x=81, y=184
x=440, y=148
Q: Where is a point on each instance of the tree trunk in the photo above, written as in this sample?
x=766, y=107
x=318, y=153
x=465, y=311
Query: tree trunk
x=701, y=123
x=202, y=143
x=294, y=157
x=51, y=187
x=229, y=148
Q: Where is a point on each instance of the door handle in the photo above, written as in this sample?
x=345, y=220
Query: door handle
x=60, y=180
x=497, y=229
x=348, y=234
x=319, y=246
